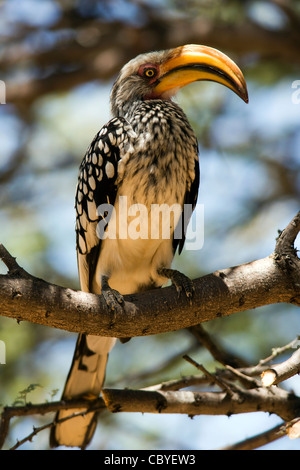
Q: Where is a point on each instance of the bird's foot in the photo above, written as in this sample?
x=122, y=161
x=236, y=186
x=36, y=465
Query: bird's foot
x=181, y=282
x=116, y=303
x=114, y=300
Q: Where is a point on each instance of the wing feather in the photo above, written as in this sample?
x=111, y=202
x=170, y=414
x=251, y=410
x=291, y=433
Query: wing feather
x=189, y=204
x=97, y=184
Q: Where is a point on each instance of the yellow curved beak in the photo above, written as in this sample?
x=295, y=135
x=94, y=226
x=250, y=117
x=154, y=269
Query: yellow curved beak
x=191, y=63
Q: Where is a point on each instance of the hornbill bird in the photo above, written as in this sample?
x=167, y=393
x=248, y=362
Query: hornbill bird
x=148, y=153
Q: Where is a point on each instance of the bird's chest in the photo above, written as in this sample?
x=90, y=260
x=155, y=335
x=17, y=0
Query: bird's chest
x=153, y=179
x=159, y=167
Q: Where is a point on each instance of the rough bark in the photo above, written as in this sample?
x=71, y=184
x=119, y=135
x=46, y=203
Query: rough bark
x=270, y=280
x=276, y=401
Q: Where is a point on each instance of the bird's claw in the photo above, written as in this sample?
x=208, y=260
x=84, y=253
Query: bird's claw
x=184, y=284
x=180, y=281
x=114, y=300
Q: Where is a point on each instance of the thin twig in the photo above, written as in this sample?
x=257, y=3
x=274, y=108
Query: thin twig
x=246, y=380
x=9, y=261
x=259, y=440
x=217, y=352
x=286, y=239
x=37, y=430
x=211, y=377
x=178, y=384
x=10, y=412
x=277, y=351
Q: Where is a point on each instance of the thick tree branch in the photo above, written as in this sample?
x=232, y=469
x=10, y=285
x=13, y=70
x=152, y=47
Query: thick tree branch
x=234, y=398
x=271, y=400
x=270, y=280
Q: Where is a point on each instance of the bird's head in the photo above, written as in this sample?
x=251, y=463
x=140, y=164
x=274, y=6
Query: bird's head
x=160, y=74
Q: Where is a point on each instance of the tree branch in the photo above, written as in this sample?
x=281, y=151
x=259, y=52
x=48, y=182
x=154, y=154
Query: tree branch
x=233, y=398
x=260, y=439
x=10, y=412
x=283, y=371
x=271, y=400
x=270, y=280
x=218, y=353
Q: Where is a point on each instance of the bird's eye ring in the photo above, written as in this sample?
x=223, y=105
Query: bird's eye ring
x=148, y=72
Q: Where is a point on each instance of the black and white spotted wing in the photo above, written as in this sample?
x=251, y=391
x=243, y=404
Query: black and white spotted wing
x=189, y=204
x=97, y=179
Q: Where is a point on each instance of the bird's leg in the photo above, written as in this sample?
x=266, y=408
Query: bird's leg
x=179, y=280
x=112, y=297
x=114, y=301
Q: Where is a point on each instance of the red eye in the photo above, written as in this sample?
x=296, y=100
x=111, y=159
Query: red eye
x=148, y=71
